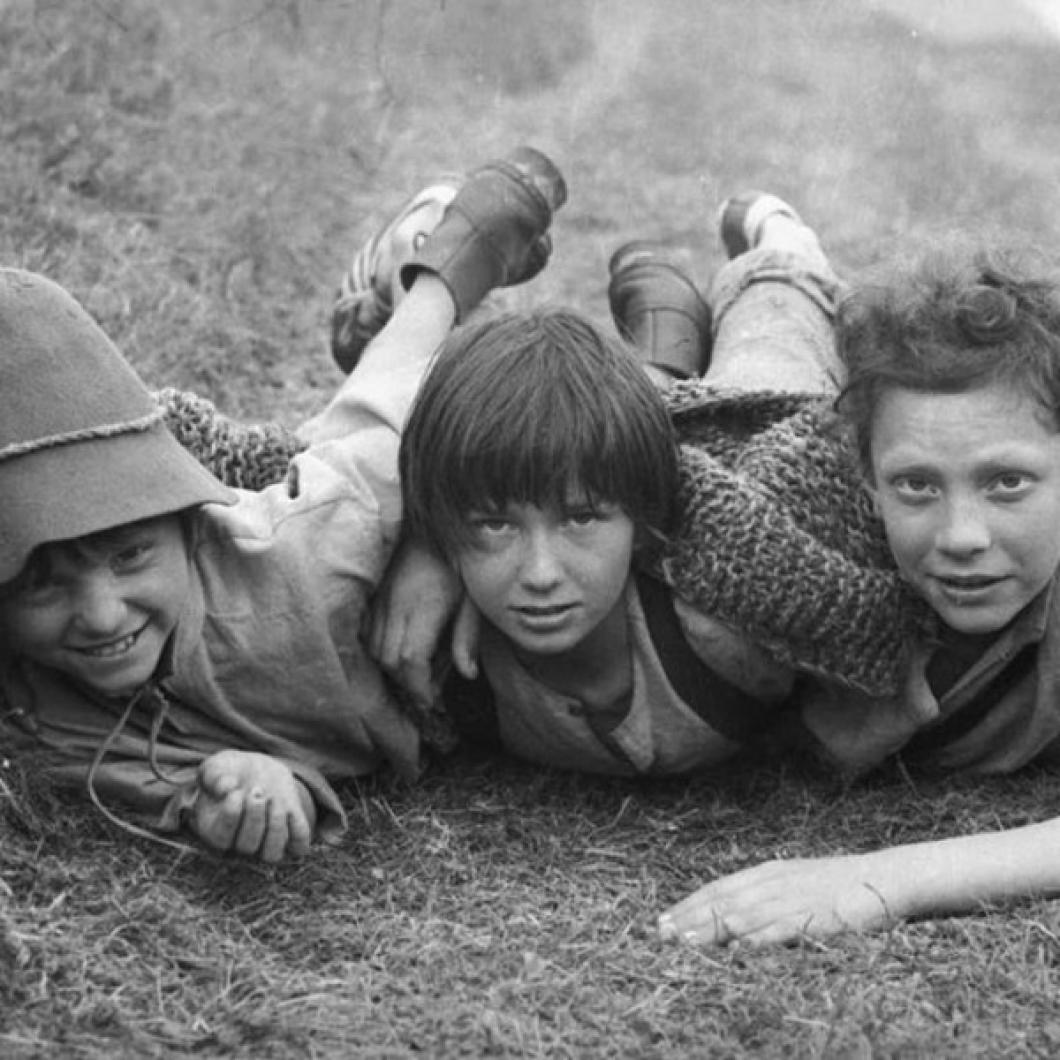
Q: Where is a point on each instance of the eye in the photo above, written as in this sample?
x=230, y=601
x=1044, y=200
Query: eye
x=34, y=591
x=37, y=586
x=913, y=487
x=1011, y=485
x=583, y=516
x=132, y=556
x=37, y=580
x=488, y=524
x=583, y=512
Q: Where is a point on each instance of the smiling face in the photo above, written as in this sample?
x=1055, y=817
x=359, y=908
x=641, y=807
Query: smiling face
x=100, y=609
x=968, y=486
x=548, y=579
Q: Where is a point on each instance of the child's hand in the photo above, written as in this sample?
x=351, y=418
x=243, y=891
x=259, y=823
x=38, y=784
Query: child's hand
x=464, y=646
x=415, y=601
x=782, y=901
x=252, y=804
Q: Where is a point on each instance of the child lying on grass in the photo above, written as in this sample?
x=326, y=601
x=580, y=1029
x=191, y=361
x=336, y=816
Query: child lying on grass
x=539, y=461
x=190, y=650
x=953, y=392
x=954, y=398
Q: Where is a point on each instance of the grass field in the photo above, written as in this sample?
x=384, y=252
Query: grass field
x=196, y=173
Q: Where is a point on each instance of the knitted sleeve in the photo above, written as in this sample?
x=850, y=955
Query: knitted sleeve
x=247, y=457
x=778, y=537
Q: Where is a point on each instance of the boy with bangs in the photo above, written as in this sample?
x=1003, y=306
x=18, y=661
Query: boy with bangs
x=542, y=477
x=541, y=460
x=952, y=399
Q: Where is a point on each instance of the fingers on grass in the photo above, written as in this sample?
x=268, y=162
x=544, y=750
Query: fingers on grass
x=299, y=834
x=217, y=821
x=255, y=823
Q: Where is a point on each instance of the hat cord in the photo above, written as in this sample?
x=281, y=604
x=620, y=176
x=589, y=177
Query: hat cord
x=105, y=746
x=85, y=434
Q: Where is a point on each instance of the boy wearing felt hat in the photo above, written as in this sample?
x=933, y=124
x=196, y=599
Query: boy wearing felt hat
x=192, y=650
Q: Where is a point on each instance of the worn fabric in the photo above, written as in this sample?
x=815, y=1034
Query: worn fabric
x=777, y=535
x=266, y=655
x=778, y=538
x=773, y=311
x=654, y=732
x=246, y=456
x=74, y=419
x=1000, y=714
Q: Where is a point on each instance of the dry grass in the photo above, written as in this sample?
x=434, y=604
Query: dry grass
x=196, y=173
x=495, y=911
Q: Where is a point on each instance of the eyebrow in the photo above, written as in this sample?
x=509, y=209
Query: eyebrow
x=990, y=464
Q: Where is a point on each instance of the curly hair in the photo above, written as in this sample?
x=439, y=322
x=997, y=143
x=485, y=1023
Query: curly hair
x=953, y=318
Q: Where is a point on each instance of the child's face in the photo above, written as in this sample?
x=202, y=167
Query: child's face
x=968, y=486
x=101, y=609
x=547, y=578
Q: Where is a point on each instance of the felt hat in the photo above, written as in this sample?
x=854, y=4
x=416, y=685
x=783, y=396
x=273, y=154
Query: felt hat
x=83, y=444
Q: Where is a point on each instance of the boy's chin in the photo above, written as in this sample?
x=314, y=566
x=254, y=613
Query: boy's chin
x=973, y=622
x=121, y=682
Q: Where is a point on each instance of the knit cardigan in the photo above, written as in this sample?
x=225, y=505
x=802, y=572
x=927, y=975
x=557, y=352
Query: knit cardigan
x=778, y=536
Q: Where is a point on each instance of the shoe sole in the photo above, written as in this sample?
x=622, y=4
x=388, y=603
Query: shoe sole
x=741, y=217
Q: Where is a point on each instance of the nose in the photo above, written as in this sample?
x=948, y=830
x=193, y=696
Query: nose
x=99, y=607
x=540, y=568
x=965, y=530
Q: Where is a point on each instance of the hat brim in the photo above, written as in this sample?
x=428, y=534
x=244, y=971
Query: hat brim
x=68, y=491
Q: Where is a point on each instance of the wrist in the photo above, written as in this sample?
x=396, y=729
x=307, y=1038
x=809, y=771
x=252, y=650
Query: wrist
x=891, y=874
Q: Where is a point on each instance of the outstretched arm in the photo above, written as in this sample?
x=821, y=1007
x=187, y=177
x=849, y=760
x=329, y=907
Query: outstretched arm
x=782, y=901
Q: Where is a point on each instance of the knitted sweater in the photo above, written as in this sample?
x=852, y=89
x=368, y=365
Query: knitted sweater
x=247, y=457
x=776, y=536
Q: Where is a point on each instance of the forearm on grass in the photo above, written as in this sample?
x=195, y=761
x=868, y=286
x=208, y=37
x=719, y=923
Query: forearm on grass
x=962, y=873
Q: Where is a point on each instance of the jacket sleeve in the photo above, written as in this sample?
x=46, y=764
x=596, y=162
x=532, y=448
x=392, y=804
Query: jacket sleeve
x=854, y=732
x=64, y=748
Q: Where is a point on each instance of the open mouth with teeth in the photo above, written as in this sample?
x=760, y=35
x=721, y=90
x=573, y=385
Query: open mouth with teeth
x=112, y=648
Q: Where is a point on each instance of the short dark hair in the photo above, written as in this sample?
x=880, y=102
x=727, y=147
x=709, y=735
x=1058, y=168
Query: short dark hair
x=954, y=317
x=524, y=408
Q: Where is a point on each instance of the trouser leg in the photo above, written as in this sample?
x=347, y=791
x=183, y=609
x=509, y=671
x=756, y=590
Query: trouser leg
x=773, y=318
x=375, y=398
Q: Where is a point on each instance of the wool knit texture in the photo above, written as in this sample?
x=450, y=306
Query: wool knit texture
x=777, y=535
x=248, y=457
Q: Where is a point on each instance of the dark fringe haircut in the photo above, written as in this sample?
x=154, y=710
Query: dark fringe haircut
x=525, y=408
